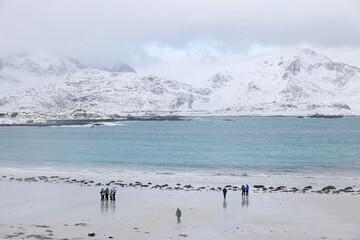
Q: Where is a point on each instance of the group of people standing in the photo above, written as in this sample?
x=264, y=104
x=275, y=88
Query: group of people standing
x=244, y=190
x=106, y=193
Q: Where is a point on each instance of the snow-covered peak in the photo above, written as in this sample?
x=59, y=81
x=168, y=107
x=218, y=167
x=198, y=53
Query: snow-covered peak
x=290, y=77
x=120, y=67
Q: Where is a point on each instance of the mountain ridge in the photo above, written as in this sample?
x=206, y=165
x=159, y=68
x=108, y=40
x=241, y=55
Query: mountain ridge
x=288, y=82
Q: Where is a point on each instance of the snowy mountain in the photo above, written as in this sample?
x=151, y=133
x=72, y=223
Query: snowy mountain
x=105, y=92
x=287, y=82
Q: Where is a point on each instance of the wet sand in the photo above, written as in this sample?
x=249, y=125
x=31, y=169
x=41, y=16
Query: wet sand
x=68, y=209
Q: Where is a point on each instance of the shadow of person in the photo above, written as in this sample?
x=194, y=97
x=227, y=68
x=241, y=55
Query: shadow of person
x=106, y=206
x=102, y=206
x=243, y=201
x=112, y=206
x=224, y=203
x=247, y=201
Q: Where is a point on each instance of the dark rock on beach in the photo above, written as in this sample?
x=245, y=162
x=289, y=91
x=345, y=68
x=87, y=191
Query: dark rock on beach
x=280, y=188
x=42, y=226
x=328, y=189
x=37, y=236
x=80, y=224
x=14, y=235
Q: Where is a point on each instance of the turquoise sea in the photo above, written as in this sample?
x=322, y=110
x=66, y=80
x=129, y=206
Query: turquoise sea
x=279, y=145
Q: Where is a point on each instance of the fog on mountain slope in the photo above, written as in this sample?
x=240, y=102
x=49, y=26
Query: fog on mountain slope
x=21, y=72
x=286, y=82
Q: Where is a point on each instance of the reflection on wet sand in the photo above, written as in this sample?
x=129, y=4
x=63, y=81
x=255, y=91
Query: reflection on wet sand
x=224, y=203
x=112, y=205
x=104, y=206
x=245, y=201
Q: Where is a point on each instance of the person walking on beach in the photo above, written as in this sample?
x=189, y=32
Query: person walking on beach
x=102, y=193
x=107, y=194
x=178, y=215
x=224, y=192
x=247, y=190
x=243, y=190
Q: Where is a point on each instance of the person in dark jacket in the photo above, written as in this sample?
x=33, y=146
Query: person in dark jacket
x=243, y=190
x=178, y=215
x=224, y=192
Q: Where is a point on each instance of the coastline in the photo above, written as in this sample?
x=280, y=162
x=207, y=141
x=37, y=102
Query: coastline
x=165, y=181
x=60, y=200
x=199, y=179
x=92, y=122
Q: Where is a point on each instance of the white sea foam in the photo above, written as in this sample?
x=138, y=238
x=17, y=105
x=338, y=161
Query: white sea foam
x=111, y=124
x=74, y=126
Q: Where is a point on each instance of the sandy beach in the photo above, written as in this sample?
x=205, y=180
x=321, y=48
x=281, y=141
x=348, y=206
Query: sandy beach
x=44, y=207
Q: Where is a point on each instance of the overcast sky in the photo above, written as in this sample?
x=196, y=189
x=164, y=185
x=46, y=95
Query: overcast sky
x=177, y=38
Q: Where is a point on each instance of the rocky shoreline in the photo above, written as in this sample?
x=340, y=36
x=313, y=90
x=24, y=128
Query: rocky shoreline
x=352, y=190
x=92, y=122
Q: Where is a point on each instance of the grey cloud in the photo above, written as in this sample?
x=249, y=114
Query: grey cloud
x=103, y=32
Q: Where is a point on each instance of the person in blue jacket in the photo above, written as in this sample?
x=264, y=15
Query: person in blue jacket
x=247, y=190
x=107, y=194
